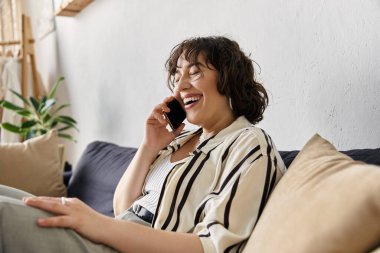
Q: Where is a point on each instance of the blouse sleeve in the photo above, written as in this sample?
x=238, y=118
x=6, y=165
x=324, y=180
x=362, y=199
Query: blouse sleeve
x=231, y=212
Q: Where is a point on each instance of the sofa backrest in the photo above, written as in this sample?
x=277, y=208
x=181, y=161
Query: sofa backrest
x=370, y=156
x=102, y=164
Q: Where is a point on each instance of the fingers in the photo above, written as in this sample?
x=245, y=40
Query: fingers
x=53, y=205
x=158, y=113
x=168, y=99
x=56, y=221
x=160, y=110
x=164, y=103
x=179, y=129
x=57, y=207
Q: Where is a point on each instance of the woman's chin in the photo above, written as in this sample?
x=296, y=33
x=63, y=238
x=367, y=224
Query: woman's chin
x=192, y=120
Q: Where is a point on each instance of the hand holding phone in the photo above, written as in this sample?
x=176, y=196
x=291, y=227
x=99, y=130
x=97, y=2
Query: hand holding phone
x=176, y=115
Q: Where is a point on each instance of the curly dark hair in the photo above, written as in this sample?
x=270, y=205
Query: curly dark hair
x=236, y=76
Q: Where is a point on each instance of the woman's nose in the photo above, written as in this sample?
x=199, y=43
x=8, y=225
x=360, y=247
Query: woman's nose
x=183, y=83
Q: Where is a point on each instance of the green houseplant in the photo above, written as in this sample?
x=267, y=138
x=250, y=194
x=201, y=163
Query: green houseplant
x=39, y=115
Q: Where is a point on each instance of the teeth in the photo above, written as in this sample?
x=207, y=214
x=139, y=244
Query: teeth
x=190, y=99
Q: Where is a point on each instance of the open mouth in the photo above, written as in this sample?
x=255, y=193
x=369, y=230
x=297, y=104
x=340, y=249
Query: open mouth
x=191, y=100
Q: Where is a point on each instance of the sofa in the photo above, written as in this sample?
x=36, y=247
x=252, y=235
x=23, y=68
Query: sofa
x=101, y=165
x=327, y=201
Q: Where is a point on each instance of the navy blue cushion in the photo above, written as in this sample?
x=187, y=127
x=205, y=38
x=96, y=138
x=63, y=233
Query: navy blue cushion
x=370, y=156
x=97, y=174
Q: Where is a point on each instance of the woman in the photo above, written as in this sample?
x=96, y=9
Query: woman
x=186, y=191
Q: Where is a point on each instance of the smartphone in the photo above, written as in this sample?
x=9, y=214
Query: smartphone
x=176, y=115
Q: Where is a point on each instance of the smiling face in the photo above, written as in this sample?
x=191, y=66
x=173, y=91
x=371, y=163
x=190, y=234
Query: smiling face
x=196, y=88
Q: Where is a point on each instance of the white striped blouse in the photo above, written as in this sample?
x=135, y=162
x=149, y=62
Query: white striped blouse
x=154, y=183
x=219, y=192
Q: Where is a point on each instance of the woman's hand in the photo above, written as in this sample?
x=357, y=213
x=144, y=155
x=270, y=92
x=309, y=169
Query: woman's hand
x=70, y=213
x=157, y=136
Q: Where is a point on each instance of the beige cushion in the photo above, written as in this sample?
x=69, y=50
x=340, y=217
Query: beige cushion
x=34, y=166
x=326, y=202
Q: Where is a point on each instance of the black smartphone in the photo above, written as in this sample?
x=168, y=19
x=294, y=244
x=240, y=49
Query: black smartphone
x=176, y=115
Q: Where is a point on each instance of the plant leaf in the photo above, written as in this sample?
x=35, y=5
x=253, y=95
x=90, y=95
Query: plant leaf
x=55, y=87
x=20, y=97
x=10, y=106
x=48, y=105
x=46, y=118
x=11, y=128
x=67, y=123
x=53, y=124
x=25, y=113
x=60, y=108
x=67, y=136
x=35, y=103
x=43, y=99
x=28, y=124
x=67, y=118
x=64, y=128
x=41, y=103
x=19, y=110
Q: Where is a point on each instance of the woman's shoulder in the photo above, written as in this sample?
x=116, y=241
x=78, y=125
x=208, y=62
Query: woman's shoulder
x=251, y=136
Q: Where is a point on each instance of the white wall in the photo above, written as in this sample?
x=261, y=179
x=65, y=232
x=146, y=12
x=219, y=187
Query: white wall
x=320, y=60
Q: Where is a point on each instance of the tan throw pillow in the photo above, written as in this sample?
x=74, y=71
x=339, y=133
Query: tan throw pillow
x=34, y=166
x=326, y=202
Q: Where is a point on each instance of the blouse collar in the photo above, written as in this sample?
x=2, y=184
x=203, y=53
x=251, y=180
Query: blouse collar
x=210, y=143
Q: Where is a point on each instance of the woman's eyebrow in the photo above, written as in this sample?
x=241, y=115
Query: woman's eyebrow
x=196, y=64
x=191, y=64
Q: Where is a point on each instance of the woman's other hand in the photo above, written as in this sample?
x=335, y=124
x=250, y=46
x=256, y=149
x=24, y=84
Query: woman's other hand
x=70, y=213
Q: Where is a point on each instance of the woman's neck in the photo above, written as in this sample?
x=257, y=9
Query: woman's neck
x=217, y=126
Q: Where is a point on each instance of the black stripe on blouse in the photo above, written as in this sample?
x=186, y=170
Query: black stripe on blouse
x=227, y=210
x=183, y=133
x=188, y=188
x=237, y=167
x=267, y=178
x=208, y=227
x=229, y=203
x=273, y=181
x=240, y=248
x=228, y=150
x=161, y=196
x=176, y=192
x=179, y=183
x=257, y=158
x=234, y=245
x=199, y=212
x=231, y=247
x=274, y=177
x=269, y=150
x=201, y=208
